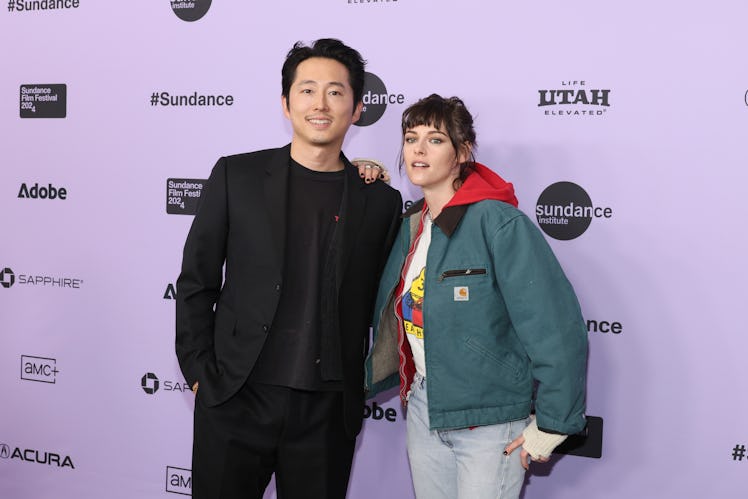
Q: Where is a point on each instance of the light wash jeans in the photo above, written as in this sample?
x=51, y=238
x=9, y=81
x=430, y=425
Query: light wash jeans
x=461, y=463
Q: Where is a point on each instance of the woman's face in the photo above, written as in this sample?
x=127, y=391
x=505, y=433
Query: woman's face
x=430, y=159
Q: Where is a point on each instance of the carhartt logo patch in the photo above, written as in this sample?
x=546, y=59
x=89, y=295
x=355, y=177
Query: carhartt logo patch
x=462, y=293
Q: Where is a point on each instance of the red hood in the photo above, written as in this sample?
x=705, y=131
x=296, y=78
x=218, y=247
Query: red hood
x=483, y=184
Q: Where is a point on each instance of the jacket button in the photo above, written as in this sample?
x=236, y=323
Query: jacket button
x=277, y=287
x=265, y=328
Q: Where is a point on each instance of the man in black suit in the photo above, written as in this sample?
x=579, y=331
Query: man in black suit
x=276, y=339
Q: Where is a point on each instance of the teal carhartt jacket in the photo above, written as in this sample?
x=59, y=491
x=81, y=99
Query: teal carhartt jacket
x=521, y=322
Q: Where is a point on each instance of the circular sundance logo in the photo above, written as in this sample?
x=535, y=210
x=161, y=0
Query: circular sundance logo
x=190, y=10
x=565, y=211
x=375, y=99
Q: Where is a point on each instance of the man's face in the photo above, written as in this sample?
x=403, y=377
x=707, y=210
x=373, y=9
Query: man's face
x=320, y=103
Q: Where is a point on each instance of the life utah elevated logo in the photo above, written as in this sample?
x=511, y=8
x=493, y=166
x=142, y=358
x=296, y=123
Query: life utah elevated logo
x=574, y=98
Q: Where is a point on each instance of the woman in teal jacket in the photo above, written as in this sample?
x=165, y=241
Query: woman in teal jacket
x=476, y=321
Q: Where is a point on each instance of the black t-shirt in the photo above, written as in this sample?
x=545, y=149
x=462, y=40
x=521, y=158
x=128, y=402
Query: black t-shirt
x=291, y=354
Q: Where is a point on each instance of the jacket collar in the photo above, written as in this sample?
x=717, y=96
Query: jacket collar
x=448, y=219
x=276, y=192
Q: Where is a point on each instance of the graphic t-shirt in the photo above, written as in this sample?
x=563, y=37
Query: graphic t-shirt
x=413, y=295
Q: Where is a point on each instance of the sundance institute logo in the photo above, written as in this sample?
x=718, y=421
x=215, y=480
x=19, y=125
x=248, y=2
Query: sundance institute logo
x=375, y=100
x=190, y=10
x=565, y=211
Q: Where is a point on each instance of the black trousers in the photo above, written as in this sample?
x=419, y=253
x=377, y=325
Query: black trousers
x=264, y=429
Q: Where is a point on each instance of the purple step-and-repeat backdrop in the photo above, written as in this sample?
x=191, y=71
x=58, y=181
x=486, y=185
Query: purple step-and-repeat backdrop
x=622, y=126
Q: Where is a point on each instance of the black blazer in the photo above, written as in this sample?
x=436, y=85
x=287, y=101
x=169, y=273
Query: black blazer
x=223, y=319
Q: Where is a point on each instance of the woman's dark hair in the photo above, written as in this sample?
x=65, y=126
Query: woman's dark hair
x=449, y=115
x=328, y=48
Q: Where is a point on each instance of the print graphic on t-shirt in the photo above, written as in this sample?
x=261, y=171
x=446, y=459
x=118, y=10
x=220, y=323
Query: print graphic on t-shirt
x=413, y=306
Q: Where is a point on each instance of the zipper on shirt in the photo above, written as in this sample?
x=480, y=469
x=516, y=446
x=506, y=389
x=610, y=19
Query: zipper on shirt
x=461, y=272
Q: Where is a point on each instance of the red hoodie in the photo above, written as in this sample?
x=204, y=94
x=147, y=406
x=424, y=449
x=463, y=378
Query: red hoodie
x=483, y=184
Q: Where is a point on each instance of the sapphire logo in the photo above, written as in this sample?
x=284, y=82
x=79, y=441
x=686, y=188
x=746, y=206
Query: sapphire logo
x=574, y=99
x=7, y=277
x=149, y=382
x=564, y=211
x=375, y=100
x=190, y=10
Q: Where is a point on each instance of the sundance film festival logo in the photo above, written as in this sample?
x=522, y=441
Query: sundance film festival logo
x=41, y=369
x=564, y=211
x=574, y=99
x=29, y=6
x=190, y=10
x=8, y=278
x=151, y=384
x=179, y=480
x=35, y=456
x=183, y=195
x=375, y=100
x=43, y=100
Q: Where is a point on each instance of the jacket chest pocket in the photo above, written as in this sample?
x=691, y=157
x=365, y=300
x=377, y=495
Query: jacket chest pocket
x=461, y=273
